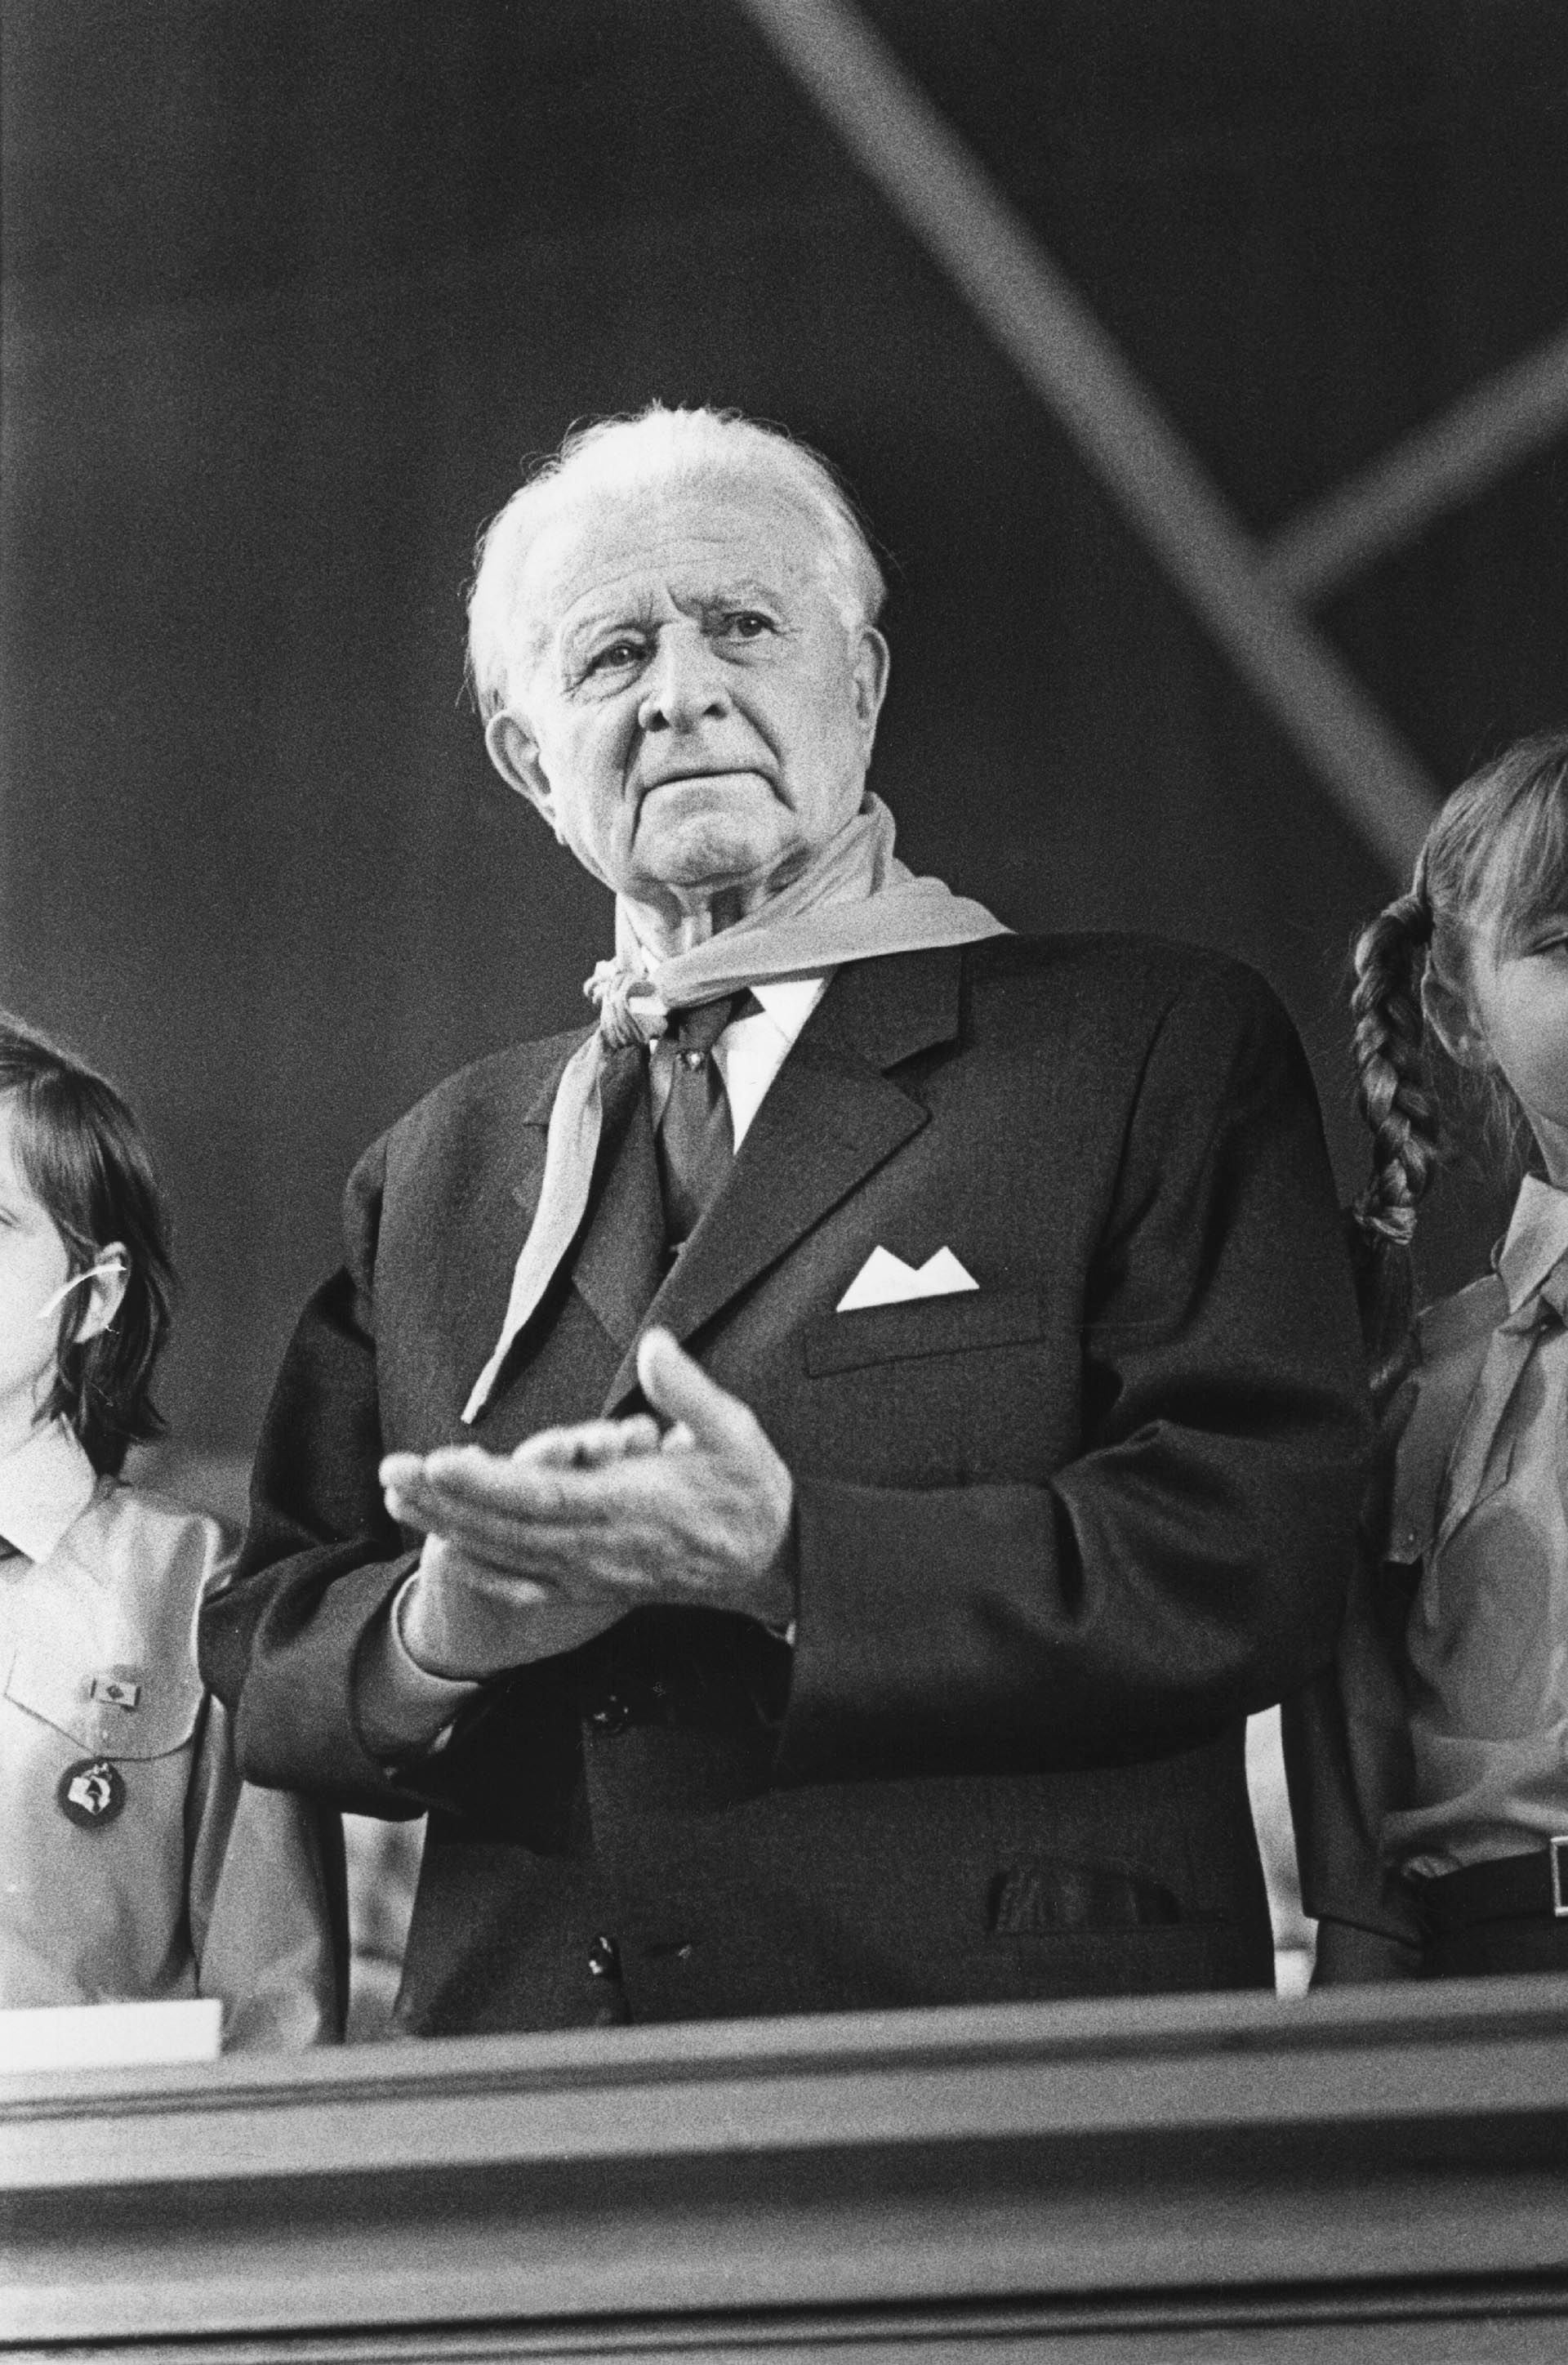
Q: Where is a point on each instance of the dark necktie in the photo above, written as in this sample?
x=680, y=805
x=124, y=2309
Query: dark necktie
x=696, y=1140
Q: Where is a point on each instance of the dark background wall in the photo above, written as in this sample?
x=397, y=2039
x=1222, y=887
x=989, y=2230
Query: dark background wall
x=291, y=288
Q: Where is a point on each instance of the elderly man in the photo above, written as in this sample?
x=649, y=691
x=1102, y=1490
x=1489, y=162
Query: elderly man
x=805, y=1483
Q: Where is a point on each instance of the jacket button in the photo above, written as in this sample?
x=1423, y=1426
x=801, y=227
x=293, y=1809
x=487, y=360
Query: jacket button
x=604, y=1959
x=613, y=1714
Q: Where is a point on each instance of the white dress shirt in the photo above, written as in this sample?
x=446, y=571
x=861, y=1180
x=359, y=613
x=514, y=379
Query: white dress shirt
x=752, y=1049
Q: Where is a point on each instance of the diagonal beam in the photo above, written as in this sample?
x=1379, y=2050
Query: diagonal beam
x=1504, y=422
x=943, y=196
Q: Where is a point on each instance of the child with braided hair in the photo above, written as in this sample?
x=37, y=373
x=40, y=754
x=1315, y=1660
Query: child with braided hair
x=1429, y=1769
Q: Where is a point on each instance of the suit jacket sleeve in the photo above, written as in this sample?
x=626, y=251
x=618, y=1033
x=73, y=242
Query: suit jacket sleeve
x=1190, y=1565
x=322, y=1557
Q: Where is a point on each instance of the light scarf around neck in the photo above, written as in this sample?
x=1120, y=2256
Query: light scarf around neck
x=853, y=901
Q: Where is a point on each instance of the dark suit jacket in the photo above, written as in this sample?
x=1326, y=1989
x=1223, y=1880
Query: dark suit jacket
x=1055, y=1537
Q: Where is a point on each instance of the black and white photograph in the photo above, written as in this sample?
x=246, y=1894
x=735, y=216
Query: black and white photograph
x=784, y=1181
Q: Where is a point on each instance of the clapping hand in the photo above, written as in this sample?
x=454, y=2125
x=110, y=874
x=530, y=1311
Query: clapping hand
x=533, y=1553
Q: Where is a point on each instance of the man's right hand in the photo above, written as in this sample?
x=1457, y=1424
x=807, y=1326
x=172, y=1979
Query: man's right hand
x=464, y=1618
x=461, y=1618
x=577, y=1528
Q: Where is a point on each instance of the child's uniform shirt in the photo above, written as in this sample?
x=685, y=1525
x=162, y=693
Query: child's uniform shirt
x=1441, y=1738
x=134, y=1864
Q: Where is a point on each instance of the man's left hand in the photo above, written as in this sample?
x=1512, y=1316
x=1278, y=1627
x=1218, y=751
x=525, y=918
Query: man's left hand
x=617, y=1514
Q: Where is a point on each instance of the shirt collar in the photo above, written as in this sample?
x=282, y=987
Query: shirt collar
x=1537, y=1239
x=789, y=1002
x=46, y=1483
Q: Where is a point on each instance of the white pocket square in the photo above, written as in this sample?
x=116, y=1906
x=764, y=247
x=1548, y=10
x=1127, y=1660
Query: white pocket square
x=885, y=1279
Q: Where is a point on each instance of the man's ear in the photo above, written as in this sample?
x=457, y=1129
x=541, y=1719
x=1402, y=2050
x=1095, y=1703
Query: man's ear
x=516, y=758
x=104, y=1291
x=1449, y=1016
x=872, y=661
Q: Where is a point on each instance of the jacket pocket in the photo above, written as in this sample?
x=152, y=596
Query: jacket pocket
x=951, y=1325
x=61, y=1693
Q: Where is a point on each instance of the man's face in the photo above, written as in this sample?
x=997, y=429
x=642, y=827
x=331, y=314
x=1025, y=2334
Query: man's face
x=692, y=713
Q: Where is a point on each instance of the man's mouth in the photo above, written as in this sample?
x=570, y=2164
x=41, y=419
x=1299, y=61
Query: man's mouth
x=700, y=772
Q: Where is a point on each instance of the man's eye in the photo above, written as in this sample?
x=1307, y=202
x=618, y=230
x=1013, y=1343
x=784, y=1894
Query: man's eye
x=614, y=655
x=746, y=624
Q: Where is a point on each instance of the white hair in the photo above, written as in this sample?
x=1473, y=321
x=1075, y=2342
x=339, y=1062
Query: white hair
x=618, y=454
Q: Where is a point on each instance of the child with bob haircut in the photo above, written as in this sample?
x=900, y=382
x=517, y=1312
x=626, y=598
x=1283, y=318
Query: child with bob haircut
x=133, y=1862
x=1430, y=1770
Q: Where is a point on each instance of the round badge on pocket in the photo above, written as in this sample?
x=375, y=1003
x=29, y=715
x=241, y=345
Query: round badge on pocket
x=91, y=1792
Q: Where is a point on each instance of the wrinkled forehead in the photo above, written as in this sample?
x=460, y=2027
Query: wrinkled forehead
x=700, y=533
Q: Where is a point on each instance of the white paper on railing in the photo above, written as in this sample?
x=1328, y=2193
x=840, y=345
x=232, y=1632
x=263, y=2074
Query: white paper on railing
x=109, y=2035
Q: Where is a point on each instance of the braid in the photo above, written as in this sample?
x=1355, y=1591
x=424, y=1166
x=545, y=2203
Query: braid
x=1391, y=1089
x=1402, y=1115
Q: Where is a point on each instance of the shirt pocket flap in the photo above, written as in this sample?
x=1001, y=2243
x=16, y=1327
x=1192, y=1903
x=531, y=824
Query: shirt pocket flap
x=163, y=1720
x=951, y=1324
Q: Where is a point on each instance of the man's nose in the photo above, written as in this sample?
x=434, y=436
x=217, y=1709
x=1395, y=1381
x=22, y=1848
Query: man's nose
x=684, y=685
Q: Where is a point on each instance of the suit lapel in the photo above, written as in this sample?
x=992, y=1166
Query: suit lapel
x=830, y=1118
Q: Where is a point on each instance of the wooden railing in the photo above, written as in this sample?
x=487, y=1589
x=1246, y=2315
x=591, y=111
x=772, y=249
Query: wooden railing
x=1375, y=2174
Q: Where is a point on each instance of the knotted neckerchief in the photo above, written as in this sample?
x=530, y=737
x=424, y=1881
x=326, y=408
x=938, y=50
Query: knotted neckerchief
x=855, y=901
x=1538, y=1297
